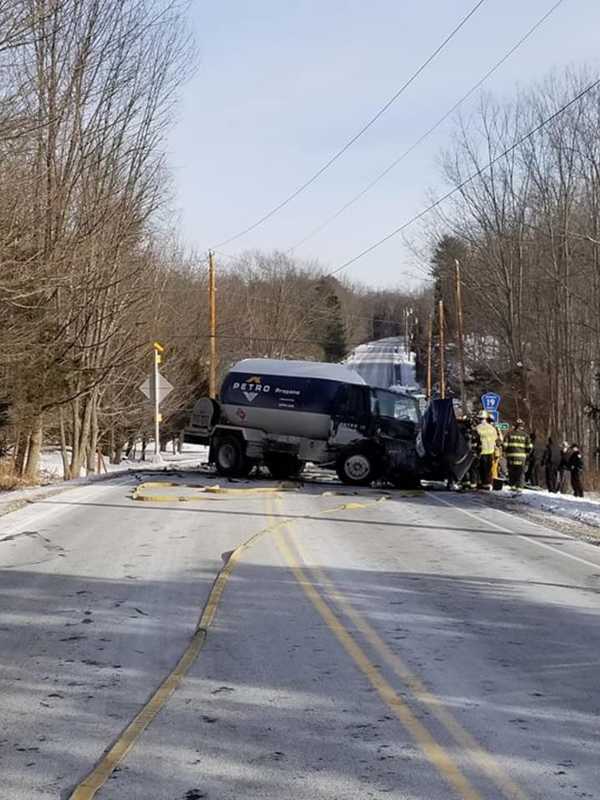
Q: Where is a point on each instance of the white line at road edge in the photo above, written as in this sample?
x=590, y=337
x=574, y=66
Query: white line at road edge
x=518, y=535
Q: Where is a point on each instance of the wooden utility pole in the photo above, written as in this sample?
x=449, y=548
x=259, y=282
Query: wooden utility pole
x=429, y=355
x=442, y=364
x=212, y=303
x=461, y=334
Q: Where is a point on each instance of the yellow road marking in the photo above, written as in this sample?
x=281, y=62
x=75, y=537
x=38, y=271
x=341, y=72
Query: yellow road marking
x=88, y=788
x=481, y=758
x=94, y=781
x=436, y=754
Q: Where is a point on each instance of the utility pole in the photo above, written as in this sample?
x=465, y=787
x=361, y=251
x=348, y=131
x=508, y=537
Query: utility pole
x=158, y=349
x=442, y=364
x=461, y=335
x=429, y=354
x=408, y=328
x=212, y=303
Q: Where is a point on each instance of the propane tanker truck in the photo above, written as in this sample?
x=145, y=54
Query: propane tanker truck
x=284, y=414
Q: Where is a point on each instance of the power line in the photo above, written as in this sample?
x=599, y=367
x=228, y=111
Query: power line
x=428, y=133
x=356, y=136
x=463, y=183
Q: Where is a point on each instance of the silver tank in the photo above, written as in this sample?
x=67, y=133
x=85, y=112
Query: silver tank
x=284, y=398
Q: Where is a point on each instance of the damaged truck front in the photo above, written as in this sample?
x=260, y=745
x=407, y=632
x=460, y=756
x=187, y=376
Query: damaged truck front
x=284, y=414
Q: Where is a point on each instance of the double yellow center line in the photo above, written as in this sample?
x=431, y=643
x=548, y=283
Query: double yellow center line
x=308, y=578
x=322, y=602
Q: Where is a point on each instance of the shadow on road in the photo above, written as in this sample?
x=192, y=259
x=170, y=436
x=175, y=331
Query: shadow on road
x=288, y=708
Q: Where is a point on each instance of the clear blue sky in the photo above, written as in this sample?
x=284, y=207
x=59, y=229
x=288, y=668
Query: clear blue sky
x=282, y=84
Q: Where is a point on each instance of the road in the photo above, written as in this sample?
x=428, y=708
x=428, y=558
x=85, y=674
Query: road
x=361, y=645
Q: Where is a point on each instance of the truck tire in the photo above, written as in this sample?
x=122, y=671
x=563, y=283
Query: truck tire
x=358, y=467
x=230, y=459
x=283, y=466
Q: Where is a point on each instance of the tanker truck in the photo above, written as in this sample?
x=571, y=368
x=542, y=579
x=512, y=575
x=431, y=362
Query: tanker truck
x=283, y=414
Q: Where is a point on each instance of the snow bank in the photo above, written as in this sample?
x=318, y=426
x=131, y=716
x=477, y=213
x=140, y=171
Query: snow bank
x=586, y=510
x=51, y=467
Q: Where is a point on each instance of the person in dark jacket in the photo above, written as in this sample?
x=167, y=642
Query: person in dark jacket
x=532, y=470
x=563, y=468
x=517, y=447
x=471, y=477
x=551, y=462
x=576, y=468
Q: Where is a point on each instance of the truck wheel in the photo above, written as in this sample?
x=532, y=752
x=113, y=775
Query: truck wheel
x=230, y=459
x=357, y=468
x=282, y=467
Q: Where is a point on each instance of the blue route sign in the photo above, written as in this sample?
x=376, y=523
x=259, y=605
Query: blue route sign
x=490, y=401
x=494, y=415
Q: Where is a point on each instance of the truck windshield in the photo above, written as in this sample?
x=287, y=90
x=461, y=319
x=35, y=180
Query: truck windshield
x=397, y=406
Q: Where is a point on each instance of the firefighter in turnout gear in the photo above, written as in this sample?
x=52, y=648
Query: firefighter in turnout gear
x=487, y=436
x=517, y=447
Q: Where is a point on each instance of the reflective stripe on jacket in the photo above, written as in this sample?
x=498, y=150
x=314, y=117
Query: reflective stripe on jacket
x=487, y=438
x=517, y=447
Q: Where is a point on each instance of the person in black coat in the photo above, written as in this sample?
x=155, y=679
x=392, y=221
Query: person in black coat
x=551, y=462
x=563, y=468
x=576, y=467
x=532, y=474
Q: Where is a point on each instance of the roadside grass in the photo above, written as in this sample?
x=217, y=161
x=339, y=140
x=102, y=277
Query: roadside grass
x=10, y=479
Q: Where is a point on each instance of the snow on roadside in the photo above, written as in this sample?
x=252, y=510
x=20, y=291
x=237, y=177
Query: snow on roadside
x=586, y=510
x=51, y=466
x=52, y=476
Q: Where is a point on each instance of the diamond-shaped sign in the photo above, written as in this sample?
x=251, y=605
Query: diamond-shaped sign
x=164, y=388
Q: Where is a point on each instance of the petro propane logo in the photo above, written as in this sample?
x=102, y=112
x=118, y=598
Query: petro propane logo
x=252, y=387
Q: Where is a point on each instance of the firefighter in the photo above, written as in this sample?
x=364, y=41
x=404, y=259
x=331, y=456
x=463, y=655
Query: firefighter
x=517, y=447
x=488, y=436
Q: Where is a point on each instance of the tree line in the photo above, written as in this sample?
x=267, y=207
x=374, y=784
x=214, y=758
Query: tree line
x=90, y=271
x=526, y=233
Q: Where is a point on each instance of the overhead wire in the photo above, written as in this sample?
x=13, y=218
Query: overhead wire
x=356, y=136
x=428, y=133
x=467, y=180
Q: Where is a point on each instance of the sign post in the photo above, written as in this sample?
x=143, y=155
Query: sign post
x=156, y=388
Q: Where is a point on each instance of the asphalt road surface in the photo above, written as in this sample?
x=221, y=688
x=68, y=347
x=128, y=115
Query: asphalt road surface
x=361, y=645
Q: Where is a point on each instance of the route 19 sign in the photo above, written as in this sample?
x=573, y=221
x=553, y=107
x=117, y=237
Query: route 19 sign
x=490, y=401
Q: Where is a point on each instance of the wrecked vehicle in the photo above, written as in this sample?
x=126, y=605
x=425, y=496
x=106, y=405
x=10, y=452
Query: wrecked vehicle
x=284, y=414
